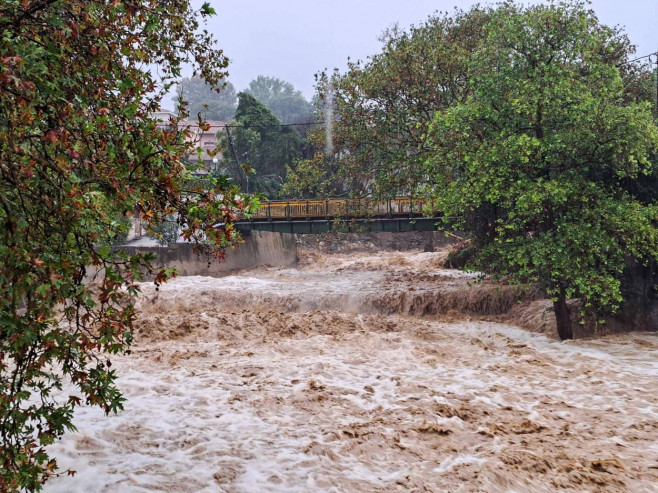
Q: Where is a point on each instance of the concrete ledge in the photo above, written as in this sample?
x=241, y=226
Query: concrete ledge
x=259, y=248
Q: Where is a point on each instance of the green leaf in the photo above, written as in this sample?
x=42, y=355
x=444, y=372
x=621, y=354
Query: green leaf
x=206, y=9
x=104, y=251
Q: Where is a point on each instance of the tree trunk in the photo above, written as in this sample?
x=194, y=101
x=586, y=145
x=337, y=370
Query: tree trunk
x=563, y=316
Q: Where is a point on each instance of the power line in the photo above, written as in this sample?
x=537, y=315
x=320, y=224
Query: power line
x=274, y=125
x=655, y=53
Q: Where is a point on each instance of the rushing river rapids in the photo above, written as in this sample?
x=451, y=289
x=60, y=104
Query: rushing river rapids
x=325, y=378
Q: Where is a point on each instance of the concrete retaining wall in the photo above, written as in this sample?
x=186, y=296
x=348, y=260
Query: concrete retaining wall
x=640, y=289
x=258, y=248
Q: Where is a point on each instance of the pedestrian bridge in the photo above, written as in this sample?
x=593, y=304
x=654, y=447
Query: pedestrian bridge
x=342, y=215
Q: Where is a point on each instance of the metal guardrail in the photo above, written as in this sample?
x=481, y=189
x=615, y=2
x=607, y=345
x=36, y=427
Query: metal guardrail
x=288, y=210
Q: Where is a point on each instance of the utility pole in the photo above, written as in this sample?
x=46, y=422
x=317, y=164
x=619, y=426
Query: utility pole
x=235, y=158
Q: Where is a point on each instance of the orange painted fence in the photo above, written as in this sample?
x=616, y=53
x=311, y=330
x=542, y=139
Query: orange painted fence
x=345, y=208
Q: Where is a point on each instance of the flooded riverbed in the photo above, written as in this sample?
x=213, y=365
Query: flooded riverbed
x=326, y=378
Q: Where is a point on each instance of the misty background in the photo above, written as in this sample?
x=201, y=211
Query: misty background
x=294, y=39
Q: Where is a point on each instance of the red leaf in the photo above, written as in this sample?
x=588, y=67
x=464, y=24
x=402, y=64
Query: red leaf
x=51, y=136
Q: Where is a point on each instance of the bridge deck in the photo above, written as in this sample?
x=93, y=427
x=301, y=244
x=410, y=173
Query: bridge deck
x=350, y=215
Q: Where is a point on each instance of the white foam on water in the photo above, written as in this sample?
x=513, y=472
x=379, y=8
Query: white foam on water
x=359, y=408
x=450, y=463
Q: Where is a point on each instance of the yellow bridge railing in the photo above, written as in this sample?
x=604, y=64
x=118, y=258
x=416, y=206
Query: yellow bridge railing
x=342, y=208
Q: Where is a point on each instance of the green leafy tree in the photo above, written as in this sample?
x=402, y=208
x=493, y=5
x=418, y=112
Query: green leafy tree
x=544, y=156
x=380, y=108
x=317, y=176
x=202, y=98
x=79, y=151
x=261, y=145
x=282, y=99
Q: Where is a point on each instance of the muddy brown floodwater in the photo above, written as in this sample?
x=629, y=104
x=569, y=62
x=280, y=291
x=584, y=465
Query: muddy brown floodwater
x=360, y=372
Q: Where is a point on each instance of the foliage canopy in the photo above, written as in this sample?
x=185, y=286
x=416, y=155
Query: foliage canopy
x=529, y=127
x=383, y=106
x=281, y=98
x=261, y=144
x=212, y=103
x=543, y=154
x=78, y=152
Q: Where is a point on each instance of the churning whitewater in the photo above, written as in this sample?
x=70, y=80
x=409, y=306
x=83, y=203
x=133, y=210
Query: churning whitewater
x=365, y=372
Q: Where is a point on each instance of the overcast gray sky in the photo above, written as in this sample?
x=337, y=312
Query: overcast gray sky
x=294, y=39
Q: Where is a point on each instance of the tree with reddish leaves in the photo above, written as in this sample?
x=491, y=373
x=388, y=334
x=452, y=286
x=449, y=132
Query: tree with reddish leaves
x=79, y=151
